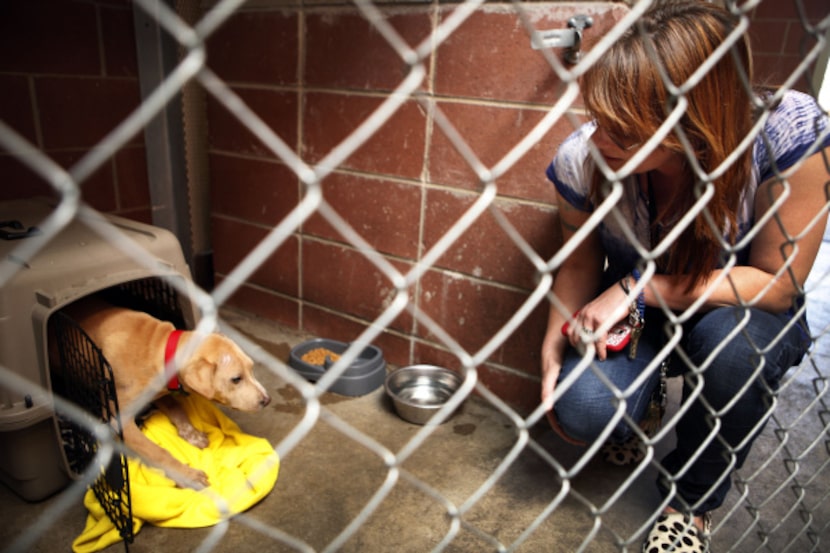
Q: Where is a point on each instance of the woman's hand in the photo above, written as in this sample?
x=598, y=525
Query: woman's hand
x=611, y=305
x=608, y=308
x=550, y=374
x=551, y=366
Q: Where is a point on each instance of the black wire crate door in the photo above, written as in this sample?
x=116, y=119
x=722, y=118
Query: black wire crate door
x=84, y=377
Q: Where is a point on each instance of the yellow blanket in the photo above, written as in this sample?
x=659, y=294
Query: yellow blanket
x=242, y=470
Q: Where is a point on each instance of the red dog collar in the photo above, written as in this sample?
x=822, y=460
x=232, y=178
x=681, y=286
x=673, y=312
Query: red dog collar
x=170, y=369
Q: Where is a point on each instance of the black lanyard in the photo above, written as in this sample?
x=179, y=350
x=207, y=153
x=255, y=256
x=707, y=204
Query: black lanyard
x=654, y=234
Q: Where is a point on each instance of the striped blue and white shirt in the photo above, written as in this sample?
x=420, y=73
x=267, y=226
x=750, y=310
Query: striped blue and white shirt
x=796, y=128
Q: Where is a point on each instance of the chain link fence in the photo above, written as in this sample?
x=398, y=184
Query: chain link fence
x=792, y=475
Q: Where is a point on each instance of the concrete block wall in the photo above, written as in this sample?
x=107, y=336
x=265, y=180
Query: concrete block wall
x=68, y=76
x=312, y=72
x=781, y=40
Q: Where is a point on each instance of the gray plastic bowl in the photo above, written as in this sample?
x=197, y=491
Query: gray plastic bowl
x=419, y=391
x=364, y=375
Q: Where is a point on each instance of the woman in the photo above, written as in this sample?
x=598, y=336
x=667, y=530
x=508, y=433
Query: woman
x=734, y=265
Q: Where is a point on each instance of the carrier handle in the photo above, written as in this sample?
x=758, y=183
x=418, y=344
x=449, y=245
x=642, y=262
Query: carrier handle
x=18, y=230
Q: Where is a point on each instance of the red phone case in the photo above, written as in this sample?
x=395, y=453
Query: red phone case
x=618, y=336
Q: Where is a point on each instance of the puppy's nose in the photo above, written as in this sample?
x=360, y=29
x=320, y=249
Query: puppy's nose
x=266, y=399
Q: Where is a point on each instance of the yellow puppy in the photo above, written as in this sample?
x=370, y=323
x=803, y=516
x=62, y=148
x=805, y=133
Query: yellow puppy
x=137, y=345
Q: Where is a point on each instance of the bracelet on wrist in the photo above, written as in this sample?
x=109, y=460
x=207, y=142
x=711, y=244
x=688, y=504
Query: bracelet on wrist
x=623, y=282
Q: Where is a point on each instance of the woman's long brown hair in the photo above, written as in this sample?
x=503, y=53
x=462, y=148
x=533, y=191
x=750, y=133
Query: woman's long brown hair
x=625, y=94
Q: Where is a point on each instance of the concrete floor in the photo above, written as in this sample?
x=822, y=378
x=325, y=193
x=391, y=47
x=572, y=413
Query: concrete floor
x=328, y=478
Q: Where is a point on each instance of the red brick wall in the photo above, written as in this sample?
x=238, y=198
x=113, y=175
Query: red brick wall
x=781, y=39
x=68, y=76
x=404, y=188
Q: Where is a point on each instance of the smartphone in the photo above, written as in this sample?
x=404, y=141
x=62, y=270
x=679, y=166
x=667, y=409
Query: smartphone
x=618, y=336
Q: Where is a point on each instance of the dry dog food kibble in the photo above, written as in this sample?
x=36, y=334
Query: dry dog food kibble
x=317, y=356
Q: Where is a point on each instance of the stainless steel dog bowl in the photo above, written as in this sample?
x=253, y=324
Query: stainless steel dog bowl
x=419, y=391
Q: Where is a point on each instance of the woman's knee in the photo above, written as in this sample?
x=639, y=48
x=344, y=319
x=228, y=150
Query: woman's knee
x=584, y=414
x=595, y=399
x=718, y=330
x=740, y=340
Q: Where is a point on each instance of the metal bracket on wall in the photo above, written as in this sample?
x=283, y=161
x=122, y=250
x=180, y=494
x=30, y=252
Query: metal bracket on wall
x=570, y=38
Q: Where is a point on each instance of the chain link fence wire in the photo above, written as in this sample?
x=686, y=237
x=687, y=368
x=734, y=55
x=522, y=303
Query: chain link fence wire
x=794, y=472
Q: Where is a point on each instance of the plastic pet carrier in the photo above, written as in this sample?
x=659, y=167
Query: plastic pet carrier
x=43, y=446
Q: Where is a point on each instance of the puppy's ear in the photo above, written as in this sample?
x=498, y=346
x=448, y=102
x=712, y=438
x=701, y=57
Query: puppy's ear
x=200, y=377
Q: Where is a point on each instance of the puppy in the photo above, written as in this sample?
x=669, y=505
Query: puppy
x=136, y=344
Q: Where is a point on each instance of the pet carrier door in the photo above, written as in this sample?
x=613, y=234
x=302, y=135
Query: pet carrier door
x=84, y=377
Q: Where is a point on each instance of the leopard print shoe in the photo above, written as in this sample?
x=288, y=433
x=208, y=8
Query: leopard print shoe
x=677, y=533
x=626, y=453
x=633, y=450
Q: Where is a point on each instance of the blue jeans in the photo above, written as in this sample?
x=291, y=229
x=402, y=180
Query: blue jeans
x=735, y=383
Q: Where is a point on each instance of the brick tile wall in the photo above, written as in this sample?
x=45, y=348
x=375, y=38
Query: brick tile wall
x=406, y=185
x=344, y=51
x=386, y=213
x=781, y=41
x=328, y=118
x=506, y=126
x=68, y=74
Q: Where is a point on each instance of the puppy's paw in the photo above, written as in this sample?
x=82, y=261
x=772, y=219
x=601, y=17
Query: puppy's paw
x=192, y=478
x=201, y=478
x=194, y=437
x=202, y=441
